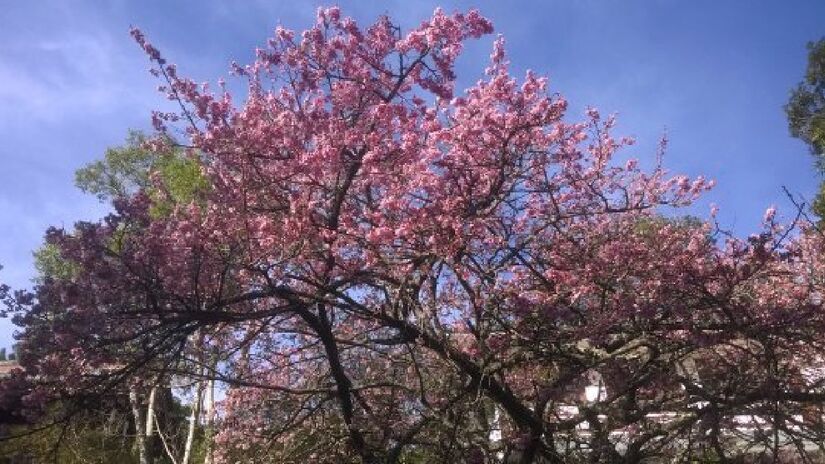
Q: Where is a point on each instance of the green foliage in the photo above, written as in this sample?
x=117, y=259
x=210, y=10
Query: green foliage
x=818, y=205
x=121, y=172
x=170, y=177
x=806, y=107
x=806, y=114
x=651, y=224
x=49, y=262
x=181, y=182
x=101, y=435
x=76, y=444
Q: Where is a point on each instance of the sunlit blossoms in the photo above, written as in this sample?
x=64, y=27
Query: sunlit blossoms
x=379, y=267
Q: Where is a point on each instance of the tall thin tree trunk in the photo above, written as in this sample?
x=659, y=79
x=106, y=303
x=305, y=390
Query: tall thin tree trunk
x=209, y=426
x=193, y=422
x=150, y=412
x=140, y=437
x=153, y=445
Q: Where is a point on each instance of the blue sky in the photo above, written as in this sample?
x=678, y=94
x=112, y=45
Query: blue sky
x=713, y=73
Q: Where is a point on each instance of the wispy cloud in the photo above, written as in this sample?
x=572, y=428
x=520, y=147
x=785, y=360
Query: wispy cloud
x=70, y=76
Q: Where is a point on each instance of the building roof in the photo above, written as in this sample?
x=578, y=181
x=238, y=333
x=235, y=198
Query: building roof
x=7, y=366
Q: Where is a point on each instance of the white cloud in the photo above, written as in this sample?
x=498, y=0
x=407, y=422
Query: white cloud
x=59, y=79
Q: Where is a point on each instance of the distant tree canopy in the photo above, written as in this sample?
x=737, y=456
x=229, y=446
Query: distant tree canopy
x=168, y=174
x=806, y=112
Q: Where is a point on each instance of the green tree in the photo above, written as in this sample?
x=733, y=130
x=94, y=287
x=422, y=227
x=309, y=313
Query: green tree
x=122, y=171
x=806, y=113
x=169, y=175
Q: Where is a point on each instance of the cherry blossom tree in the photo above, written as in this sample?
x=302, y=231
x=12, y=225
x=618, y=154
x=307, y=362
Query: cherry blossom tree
x=376, y=268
